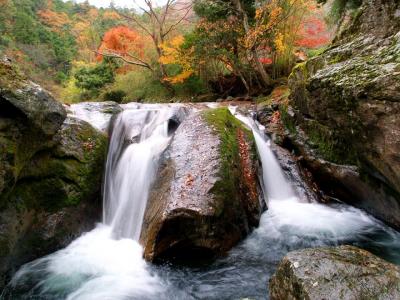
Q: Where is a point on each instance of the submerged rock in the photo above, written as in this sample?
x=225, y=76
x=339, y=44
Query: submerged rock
x=344, y=272
x=345, y=120
x=50, y=173
x=207, y=196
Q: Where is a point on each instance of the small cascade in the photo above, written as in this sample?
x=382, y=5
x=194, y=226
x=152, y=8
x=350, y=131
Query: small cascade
x=138, y=139
x=275, y=185
x=107, y=263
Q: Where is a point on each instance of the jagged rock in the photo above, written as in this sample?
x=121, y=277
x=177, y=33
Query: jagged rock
x=346, y=104
x=344, y=272
x=18, y=95
x=50, y=173
x=206, y=198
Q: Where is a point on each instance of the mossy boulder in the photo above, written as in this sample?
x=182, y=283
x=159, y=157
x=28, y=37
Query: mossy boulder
x=207, y=197
x=50, y=173
x=344, y=272
x=346, y=111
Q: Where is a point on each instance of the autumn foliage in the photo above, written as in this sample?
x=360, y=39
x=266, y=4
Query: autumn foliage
x=175, y=54
x=54, y=19
x=313, y=33
x=122, y=41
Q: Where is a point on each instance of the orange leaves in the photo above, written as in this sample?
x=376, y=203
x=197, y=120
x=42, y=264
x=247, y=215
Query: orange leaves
x=122, y=40
x=111, y=15
x=54, y=19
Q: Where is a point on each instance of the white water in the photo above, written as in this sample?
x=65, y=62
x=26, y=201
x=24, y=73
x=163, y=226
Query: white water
x=107, y=262
x=94, y=113
x=139, y=137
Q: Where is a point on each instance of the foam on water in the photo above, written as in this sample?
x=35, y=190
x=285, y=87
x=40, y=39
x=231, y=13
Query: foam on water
x=107, y=262
x=94, y=266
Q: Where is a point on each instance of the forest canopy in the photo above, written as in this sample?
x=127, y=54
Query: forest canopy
x=181, y=50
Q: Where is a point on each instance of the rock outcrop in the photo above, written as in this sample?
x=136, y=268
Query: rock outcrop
x=207, y=197
x=50, y=173
x=344, y=114
x=344, y=272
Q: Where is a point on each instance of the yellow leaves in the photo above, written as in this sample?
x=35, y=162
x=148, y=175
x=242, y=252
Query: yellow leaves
x=171, y=50
x=173, y=53
x=279, y=43
x=111, y=15
x=180, y=77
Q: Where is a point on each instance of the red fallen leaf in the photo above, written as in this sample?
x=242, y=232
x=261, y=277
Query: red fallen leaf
x=189, y=180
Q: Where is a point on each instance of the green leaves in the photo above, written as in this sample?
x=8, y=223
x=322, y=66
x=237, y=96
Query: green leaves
x=93, y=78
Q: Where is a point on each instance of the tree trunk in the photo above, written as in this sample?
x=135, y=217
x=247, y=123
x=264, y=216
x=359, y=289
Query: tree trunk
x=253, y=52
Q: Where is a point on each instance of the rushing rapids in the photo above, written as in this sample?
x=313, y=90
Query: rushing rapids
x=107, y=262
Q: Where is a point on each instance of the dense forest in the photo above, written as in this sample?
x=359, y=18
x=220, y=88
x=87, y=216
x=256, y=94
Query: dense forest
x=203, y=50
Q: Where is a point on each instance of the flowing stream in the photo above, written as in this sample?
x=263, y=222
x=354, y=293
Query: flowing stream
x=107, y=262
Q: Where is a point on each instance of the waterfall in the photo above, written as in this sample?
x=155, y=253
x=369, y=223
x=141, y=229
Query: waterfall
x=138, y=139
x=107, y=262
x=275, y=185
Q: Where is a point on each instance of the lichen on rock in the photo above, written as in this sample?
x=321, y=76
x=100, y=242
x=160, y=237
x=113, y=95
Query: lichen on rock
x=346, y=111
x=343, y=272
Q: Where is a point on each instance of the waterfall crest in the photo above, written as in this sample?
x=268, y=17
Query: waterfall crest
x=138, y=139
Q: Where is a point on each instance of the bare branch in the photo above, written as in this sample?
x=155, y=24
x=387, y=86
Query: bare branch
x=139, y=63
x=172, y=27
x=136, y=21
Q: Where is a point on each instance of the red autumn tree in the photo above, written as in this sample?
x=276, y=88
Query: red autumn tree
x=314, y=32
x=124, y=43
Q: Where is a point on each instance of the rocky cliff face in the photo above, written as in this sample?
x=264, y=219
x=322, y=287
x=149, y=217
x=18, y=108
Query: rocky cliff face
x=344, y=115
x=50, y=172
x=206, y=198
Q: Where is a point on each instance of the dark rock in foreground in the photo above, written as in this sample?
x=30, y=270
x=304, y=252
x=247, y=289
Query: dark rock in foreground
x=206, y=198
x=50, y=173
x=344, y=272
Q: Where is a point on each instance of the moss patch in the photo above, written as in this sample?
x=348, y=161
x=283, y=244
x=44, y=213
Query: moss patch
x=226, y=127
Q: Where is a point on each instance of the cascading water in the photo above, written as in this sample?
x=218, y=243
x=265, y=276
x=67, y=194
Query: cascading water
x=107, y=263
x=139, y=137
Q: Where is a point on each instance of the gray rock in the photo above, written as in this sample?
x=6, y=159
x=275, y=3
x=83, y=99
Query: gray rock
x=206, y=198
x=27, y=98
x=346, y=105
x=344, y=272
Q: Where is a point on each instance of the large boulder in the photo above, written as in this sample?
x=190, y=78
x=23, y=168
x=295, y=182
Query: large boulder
x=344, y=116
x=344, y=272
x=207, y=196
x=50, y=173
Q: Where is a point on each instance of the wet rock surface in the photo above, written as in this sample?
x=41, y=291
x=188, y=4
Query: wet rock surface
x=344, y=272
x=344, y=114
x=206, y=198
x=50, y=173
x=97, y=114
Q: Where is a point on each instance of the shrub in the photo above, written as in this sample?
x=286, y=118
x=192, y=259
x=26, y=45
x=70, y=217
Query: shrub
x=114, y=95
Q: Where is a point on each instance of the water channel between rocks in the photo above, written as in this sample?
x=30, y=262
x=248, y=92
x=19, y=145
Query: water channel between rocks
x=107, y=263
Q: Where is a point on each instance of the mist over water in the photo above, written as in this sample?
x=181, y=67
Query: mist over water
x=107, y=262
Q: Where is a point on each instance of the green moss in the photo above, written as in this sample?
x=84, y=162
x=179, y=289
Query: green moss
x=332, y=146
x=287, y=120
x=264, y=100
x=315, y=52
x=226, y=127
x=299, y=68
